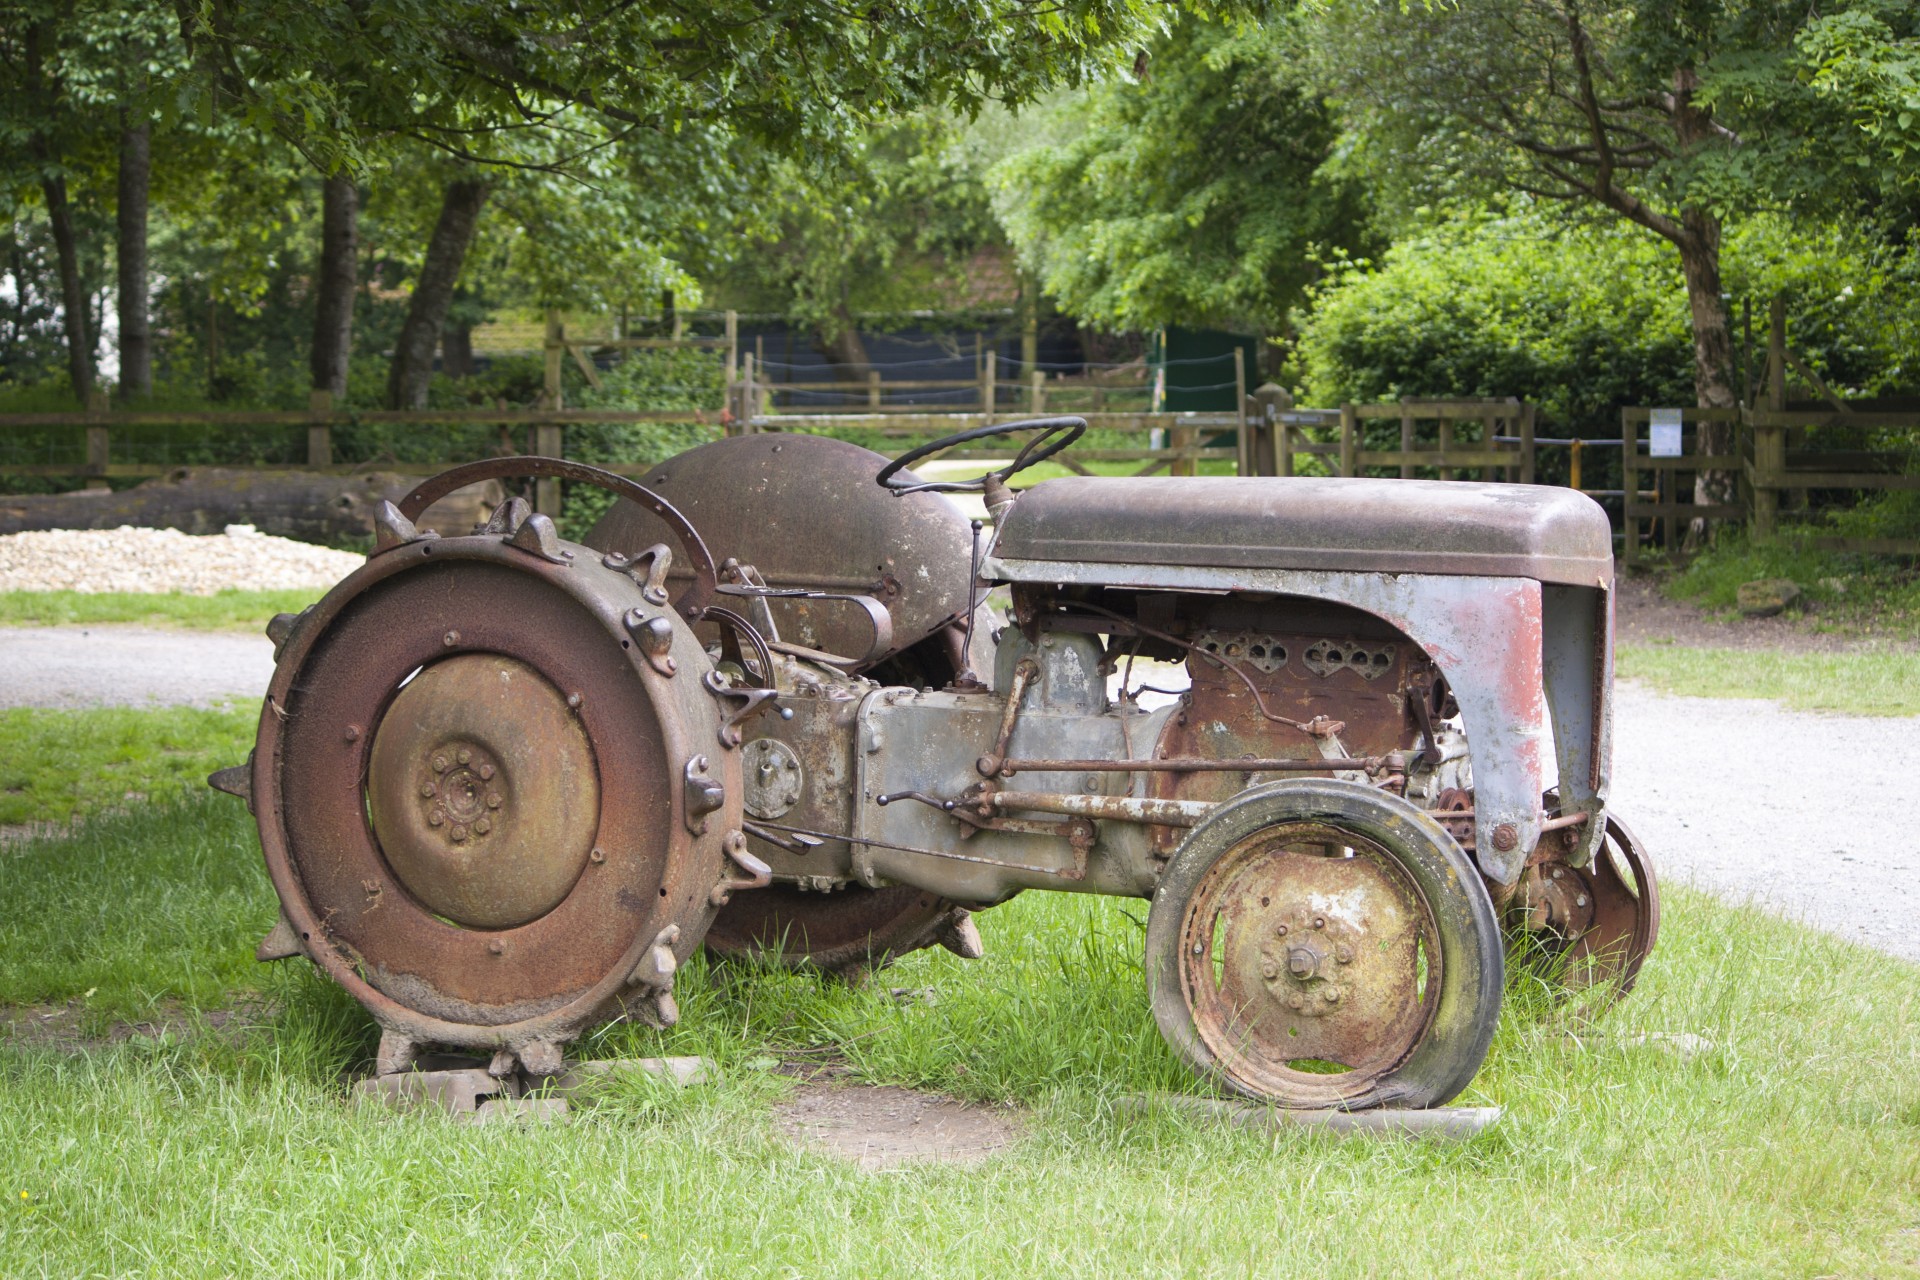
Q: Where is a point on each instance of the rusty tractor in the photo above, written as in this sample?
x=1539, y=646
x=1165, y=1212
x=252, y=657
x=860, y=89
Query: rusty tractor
x=506, y=783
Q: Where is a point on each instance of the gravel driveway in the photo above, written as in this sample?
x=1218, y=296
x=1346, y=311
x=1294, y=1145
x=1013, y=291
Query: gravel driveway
x=1705, y=782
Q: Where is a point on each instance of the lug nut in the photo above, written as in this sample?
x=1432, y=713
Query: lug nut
x=1294, y=1001
x=1269, y=970
x=482, y=825
x=493, y=799
x=459, y=832
x=485, y=771
x=427, y=791
x=464, y=755
x=1343, y=953
x=1331, y=996
x=435, y=818
x=439, y=764
x=1506, y=837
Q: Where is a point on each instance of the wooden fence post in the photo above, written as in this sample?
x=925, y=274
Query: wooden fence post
x=1243, y=463
x=1181, y=441
x=547, y=438
x=1349, y=440
x=733, y=345
x=98, y=441
x=320, y=430
x=1446, y=447
x=873, y=388
x=1406, y=439
x=1769, y=443
x=989, y=390
x=1629, y=489
x=1283, y=448
x=1036, y=393
x=1527, y=448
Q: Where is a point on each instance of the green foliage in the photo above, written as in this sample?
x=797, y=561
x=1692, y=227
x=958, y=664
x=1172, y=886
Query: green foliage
x=650, y=380
x=1580, y=323
x=1583, y=319
x=1190, y=193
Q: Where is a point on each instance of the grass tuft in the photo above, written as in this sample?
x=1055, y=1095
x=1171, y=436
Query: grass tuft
x=222, y=611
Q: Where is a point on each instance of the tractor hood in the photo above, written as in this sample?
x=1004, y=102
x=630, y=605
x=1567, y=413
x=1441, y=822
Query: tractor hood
x=1305, y=523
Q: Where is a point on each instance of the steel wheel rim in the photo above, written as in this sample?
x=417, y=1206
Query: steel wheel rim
x=1282, y=1023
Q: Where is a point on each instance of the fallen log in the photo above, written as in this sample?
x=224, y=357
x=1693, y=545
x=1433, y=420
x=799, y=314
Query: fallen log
x=311, y=506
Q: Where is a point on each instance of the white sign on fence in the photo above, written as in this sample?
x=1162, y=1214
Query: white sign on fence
x=1665, y=430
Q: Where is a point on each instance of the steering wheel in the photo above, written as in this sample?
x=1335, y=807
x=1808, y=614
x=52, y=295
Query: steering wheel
x=1049, y=429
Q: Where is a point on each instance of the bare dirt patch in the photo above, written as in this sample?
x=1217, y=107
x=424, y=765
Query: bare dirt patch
x=1643, y=615
x=881, y=1126
x=67, y=1029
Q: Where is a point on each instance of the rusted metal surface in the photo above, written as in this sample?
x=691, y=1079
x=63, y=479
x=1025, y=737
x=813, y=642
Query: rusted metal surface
x=533, y=985
x=844, y=931
x=1316, y=524
x=482, y=791
x=1599, y=922
x=805, y=511
x=1169, y=813
x=701, y=572
x=1313, y=944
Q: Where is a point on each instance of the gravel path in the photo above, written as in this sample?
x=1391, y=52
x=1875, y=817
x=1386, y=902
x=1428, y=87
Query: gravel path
x=150, y=560
x=130, y=667
x=1705, y=782
x=1793, y=810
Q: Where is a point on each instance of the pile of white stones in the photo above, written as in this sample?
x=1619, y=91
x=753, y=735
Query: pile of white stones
x=156, y=560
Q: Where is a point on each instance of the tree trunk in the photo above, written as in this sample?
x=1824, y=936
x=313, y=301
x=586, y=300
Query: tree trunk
x=338, y=281
x=73, y=295
x=412, y=367
x=136, y=340
x=456, y=350
x=291, y=504
x=1713, y=371
x=845, y=349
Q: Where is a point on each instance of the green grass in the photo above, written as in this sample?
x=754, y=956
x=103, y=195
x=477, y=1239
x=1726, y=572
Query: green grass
x=59, y=765
x=1882, y=682
x=1790, y=1148
x=224, y=611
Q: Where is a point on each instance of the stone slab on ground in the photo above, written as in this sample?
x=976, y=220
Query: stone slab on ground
x=1436, y=1124
x=471, y=1093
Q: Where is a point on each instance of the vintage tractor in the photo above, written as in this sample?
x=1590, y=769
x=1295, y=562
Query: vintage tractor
x=506, y=783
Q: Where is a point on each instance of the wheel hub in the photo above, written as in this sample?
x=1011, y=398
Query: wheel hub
x=482, y=791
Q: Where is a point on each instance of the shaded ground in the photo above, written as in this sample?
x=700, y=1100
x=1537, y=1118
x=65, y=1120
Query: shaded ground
x=1642, y=615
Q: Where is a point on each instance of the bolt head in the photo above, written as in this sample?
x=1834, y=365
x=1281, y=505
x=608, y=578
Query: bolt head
x=482, y=825
x=450, y=639
x=428, y=791
x=1269, y=970
x=1331, y=995
x=1506, y=837
x=1558, y=873
x=574, y=700
x=1319, y=922
x=1580, y=901
x=439, y=764
x=1294, y=1001
x=1280, y=931
x=485, y=771
x=435, y=818
x=1199, y=948
x=597, y=857
x=493, y=799
x=459, y=833
x=352, y=733
x=463, y=755
x=1343, y=953
x=496, y=948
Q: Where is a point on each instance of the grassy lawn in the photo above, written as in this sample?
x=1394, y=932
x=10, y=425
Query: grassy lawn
x=1791, y=1147
x=59, y=765
x=1860, y=683
x=223, y=611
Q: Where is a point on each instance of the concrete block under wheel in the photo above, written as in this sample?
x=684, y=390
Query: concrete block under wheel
x=469, y=1092
x=1434, y=1124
